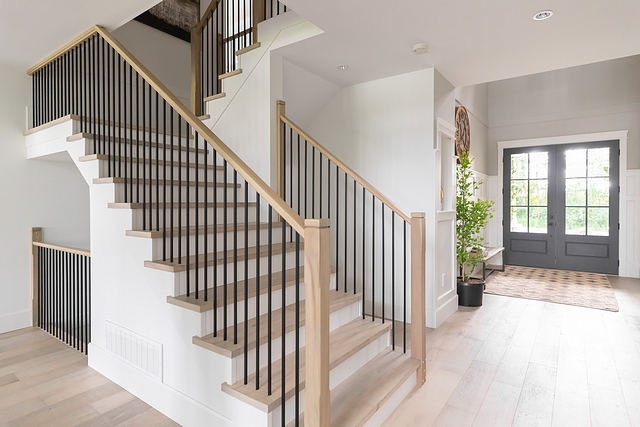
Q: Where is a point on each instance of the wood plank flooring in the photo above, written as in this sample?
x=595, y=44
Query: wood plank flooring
x=516, y=362
x=43, y=382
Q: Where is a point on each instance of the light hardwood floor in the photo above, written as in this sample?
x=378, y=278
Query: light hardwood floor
x=516, y=362
x=43, y=382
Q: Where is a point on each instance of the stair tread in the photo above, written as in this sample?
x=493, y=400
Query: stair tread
x=356, y=399
x=180, y=264
x=133, y=205
x=345, y=341
x=227, y=348
x=121, y=180
x=201, y=230
x=92, y=157
x=213, y=98
x=200, y=305
x=230, y=74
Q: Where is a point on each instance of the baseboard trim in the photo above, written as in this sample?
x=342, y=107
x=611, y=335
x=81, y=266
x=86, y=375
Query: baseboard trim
x=175, y=405
x=437, y=317
x=14, y=321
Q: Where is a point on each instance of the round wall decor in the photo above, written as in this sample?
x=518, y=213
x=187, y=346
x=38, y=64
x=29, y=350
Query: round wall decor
x=463, y=133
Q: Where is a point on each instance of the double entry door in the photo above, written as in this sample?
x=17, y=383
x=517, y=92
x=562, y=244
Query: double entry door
x=561, y=206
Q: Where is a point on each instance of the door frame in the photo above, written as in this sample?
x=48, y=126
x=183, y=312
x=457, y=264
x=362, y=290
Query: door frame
x=621, y=136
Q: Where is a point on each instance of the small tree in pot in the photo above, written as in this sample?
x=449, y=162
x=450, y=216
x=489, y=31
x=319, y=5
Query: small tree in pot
x=472, y=215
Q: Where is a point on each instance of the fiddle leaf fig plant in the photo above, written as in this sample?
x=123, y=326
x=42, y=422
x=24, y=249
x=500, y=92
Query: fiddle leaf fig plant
x=472, y=215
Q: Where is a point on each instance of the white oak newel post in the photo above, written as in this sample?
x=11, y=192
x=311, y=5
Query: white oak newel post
x=418, y=283
x=36, y=237
x=317, y=273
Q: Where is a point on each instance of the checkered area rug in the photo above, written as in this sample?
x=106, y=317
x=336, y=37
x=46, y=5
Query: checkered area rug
x=589, y=290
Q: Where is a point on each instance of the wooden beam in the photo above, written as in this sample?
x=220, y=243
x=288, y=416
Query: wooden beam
x=317, y=273
x=258, y=17
x=418, y=294
x=36, y=237
x=196, y=71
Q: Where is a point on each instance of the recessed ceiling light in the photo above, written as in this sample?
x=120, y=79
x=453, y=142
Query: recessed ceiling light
x=541, y=16
x=342, y=67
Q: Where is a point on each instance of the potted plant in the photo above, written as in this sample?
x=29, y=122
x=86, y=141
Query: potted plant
x=472, y=215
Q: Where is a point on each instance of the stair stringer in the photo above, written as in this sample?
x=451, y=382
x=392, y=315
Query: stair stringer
x=245, y=117
x=129, y=295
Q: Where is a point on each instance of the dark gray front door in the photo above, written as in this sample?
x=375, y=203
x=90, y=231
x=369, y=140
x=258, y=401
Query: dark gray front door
x=561, y=206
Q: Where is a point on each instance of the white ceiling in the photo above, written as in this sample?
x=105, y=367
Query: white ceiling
x=470, y=41
x=30, y=30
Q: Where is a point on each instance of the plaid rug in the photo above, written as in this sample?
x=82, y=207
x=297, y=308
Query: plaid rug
x=589, y=290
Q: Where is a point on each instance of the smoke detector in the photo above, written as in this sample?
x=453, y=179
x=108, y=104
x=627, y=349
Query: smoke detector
x=420, y=48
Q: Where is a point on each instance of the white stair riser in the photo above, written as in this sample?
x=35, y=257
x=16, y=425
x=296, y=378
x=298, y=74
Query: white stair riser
x=181, y=277
x=180, y=193
x=140, y=169
x=159, y=246
x=140, y=223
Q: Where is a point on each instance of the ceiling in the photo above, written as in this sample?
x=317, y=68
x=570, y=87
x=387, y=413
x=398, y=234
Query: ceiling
x=33, y=29
x=470, y=41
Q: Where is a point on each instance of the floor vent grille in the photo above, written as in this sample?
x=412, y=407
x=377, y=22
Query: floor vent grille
x=134, y=349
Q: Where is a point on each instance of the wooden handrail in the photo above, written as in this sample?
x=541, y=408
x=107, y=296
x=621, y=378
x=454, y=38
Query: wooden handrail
x=67, y=249
x=67, y=47
x=343, y=166
x=252, y=178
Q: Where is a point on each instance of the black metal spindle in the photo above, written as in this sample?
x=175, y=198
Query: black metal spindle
x=337, y=226
x=257, y=298
x=171, y=186
x=297, y=333
x=269, y=295
x=235, y=256
x=404, y=293
x=313, y=182
x=346, y=229
x=283, y=369
x=187, y=214
x=382, y=259
x=197, y=219
x=215, y=245
x=246, y=282
x=355, y=238
x=373, y=258
x=393, y=280
x=224, y=251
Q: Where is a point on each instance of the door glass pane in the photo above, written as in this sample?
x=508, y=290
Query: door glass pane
x=538, y=192
x=539, y=165
x=575, y=192
x=520, y=166
x=537, y=220
x=519, y=220
x=598, y=161
x=519, y=193
x=575, y=222
x=598, y=192
x=576, y=163
x=598, y=220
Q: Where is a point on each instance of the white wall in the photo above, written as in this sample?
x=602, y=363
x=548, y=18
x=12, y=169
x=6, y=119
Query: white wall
x=383, y=130
x=592, y=98
x=305, y=93
x=475, y=100
x=48, y=194
x=167, y=57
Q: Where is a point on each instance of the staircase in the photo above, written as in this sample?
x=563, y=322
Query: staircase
x=211, y=293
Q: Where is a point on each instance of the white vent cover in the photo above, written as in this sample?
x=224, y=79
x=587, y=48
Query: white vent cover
x=134, y=349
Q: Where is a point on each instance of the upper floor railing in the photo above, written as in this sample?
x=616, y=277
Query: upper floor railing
x=227, y=28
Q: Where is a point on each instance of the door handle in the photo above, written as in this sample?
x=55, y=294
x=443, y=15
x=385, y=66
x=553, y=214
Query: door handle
x=552, y=224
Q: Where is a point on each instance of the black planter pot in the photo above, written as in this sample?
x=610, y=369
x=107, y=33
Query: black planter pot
x=470, y=293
